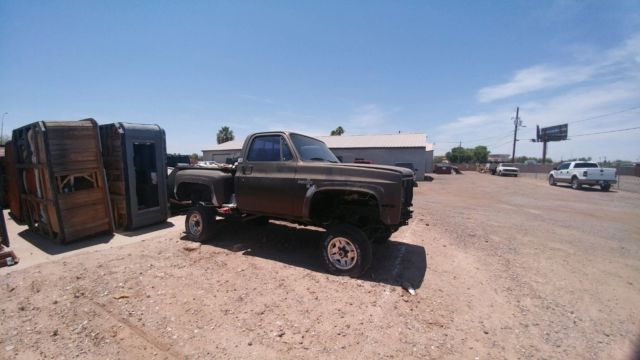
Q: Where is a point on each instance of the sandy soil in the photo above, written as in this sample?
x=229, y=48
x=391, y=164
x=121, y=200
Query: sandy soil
x=503, y=267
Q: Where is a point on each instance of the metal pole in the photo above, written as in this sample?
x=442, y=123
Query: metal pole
x=2, y=128
x=515, y=136
x=544, y=152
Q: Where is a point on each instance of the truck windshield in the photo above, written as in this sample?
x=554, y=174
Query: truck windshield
x=311, y=149
x=507, y=165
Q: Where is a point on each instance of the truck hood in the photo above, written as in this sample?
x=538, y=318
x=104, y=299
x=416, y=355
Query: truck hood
x=404, y=172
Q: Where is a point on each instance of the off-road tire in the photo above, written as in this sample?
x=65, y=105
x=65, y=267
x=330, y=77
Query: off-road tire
x=346, y=251
x=199, y=223
x=552, y=180
x=575, y=184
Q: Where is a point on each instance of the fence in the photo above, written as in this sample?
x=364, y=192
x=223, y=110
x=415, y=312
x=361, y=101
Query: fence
x=544, y=169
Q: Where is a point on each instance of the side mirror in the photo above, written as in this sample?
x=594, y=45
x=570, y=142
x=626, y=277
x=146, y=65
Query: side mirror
x=239, y=160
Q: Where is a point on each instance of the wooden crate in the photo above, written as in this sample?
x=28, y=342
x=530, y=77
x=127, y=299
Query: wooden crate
x=61, y=179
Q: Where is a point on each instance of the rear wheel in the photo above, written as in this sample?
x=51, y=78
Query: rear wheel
x=605, y=187
x=346, y=251
x=575, y=184
x=552, y=180
x=199, y=223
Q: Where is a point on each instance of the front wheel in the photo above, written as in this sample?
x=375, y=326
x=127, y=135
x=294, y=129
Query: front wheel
x=199, y=223
x=575, y=184
x=552, y=180
x=346, y=251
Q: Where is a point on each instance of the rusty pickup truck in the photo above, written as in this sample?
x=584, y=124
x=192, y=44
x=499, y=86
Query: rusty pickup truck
x=296, y=178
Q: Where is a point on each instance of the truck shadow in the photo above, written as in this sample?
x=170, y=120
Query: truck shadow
x=394, y=263
x=587, y=188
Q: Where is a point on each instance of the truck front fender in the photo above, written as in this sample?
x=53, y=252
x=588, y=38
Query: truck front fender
x=376, y=191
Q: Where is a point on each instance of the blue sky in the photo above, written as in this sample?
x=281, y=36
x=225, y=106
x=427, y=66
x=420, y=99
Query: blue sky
x=453, y=70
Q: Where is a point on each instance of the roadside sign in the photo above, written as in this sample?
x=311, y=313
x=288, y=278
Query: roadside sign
x=553, y=133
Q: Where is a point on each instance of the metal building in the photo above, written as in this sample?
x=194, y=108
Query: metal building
x=387, y=149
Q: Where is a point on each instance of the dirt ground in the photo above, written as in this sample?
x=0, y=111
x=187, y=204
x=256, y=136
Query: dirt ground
x=503, y=267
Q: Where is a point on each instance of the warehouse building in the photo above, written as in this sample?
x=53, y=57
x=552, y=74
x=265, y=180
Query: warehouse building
x=389, y=149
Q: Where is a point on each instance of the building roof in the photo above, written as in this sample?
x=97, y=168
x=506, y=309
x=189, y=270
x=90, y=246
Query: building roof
x=229, y=145
x=402, y=140
x=375, y=141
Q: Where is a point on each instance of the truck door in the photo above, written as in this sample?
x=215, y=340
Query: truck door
x=265, y=177
x=563, y=172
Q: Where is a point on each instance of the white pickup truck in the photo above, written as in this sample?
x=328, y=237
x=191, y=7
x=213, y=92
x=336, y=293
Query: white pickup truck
x=578, y=173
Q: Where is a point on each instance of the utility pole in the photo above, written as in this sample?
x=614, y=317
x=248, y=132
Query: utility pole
x=516, y=124
x=2, y=128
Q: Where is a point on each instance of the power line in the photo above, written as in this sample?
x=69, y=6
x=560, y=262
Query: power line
x=607, y=132
x=605, y=115
x=476, y=140
x=504, y=143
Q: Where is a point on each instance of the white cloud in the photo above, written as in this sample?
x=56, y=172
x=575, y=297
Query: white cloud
x=624, y=58
x=366, y=116
x=535, y=78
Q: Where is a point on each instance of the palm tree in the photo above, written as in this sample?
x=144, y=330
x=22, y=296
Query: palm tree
x=225, y=134
x=338, y=131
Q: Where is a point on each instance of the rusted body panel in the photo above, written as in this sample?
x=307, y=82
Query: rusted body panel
x=219, y=183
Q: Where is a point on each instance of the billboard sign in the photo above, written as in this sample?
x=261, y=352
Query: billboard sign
x=553, y=133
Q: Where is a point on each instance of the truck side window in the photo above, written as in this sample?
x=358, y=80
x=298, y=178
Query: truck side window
x=269, y=148
x=564, y=166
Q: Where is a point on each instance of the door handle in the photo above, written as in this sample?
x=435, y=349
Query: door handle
x=247, y=169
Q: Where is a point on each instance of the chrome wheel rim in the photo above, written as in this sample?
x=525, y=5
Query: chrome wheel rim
x=342, y=253
x=195, y=224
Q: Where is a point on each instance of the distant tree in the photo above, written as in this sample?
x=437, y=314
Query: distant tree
x=225, y=134
x=458, y=154
x=338, y=131
x=195, y=157
x=480, y=154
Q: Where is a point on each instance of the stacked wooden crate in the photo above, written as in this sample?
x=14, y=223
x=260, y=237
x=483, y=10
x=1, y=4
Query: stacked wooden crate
x=61, y=179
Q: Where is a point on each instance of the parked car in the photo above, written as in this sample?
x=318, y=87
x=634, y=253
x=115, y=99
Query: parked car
x=296, y=178
x=446, y=169
x=507, y=169
x=491, y=167
x=579, y=173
